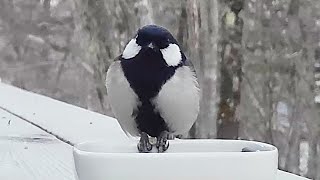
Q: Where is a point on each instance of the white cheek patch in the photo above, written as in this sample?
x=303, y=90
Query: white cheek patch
x=131, y=49
x=172, y=55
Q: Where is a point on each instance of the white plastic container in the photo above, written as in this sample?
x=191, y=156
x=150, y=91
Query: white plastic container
x=184, y=160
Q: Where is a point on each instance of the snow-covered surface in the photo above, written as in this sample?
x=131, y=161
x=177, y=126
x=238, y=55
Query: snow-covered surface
x=288, y=176
x=32, y=153
x=28, y=153
x=69, y=122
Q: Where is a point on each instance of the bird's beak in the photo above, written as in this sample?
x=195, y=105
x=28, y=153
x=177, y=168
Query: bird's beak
x=153, y=46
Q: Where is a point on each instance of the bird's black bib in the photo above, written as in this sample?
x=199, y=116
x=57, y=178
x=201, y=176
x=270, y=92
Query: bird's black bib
x=146, y=73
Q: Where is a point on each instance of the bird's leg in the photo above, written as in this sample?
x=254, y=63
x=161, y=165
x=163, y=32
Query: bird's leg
x=144, y=145
x=162, y=142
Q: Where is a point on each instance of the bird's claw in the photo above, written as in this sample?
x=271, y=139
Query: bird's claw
x=162, y=142
x=144, y=144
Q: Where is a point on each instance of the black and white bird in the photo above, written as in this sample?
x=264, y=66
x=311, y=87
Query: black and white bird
x=151, y=89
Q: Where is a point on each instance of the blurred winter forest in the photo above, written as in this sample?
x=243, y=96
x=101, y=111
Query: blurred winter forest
x=257, y=61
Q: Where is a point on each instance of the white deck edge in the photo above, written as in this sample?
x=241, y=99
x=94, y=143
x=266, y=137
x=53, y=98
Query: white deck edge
x=70, y=122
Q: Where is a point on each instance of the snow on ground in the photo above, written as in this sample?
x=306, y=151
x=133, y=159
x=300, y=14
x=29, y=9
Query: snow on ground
x=288, y=176
x=69, y=122
x=28, y=153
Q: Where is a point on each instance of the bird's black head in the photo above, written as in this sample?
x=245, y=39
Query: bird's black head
x=155, y=36
x=159, y=40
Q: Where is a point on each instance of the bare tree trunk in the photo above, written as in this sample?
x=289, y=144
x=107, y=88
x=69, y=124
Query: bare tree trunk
x=317, y=93
x=292, y=162
x=312, y=161
x=230, y=70
x=199, y=19
x=209, y=27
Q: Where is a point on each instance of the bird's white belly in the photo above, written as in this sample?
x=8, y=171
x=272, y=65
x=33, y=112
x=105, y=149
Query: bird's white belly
x=178, y=100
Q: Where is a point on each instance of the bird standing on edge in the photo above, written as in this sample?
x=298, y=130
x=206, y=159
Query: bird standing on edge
x=151, y=89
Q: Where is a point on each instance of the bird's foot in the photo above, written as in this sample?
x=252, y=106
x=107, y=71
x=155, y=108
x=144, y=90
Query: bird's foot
x=144, y=144
x=162, y=142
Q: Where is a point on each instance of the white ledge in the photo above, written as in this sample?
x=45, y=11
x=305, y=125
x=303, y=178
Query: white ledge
x=69, y=123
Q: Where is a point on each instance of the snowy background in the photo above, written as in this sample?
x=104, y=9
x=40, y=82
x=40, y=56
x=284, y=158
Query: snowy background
x=258, y=61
